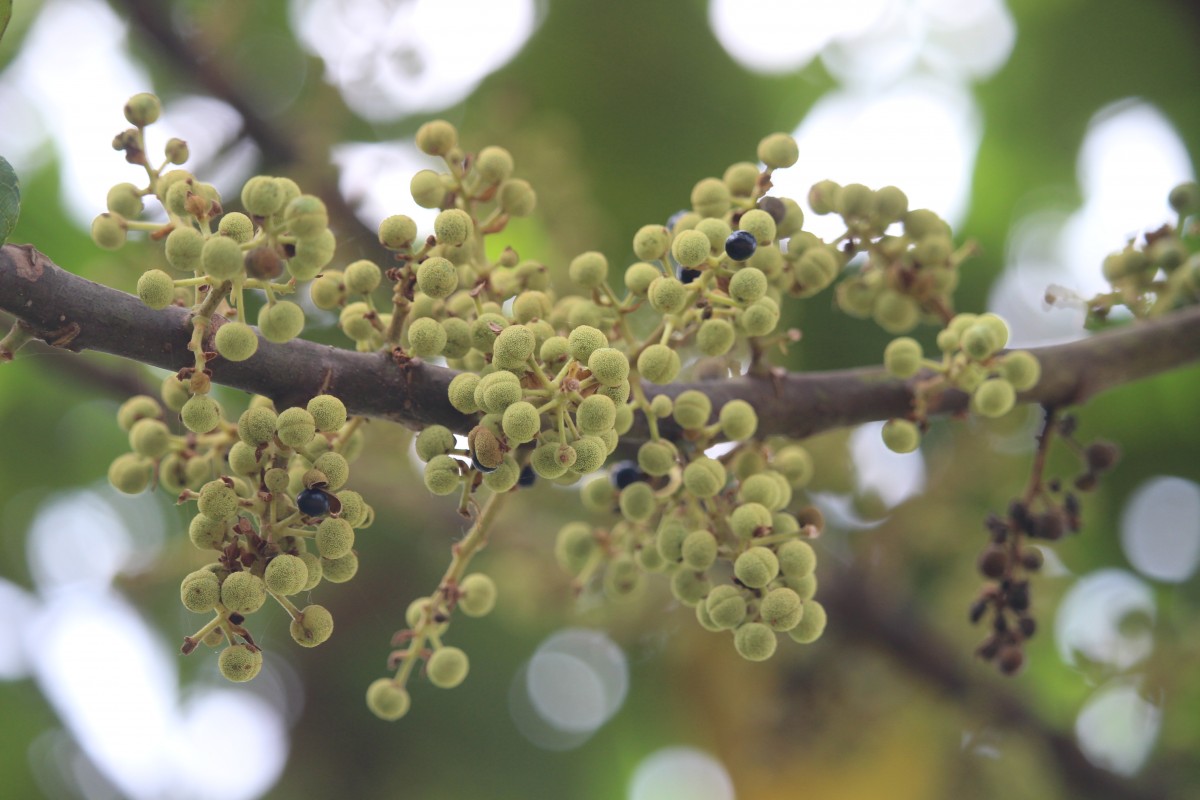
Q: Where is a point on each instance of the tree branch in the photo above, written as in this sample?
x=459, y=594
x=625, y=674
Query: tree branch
x=71, y=312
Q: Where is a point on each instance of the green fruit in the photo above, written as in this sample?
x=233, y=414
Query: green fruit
x=993, y=398
x=692, y=409
x=493, y=165
x=436, y=137
x=650, y=243
x=281, y=322
x=462, y=392
x=796, y=559
x=142, y=109
x=236, y=341
x=262, y=196
x=207, y=533
x=200, y=414
x=738, y=420
x=295, y=427
x=286, y=574
x=237, y=227
x=221, y=258
x=453, y=227
x=334, y=538
x=238, y=662
x=306, y=216
x=726, y=606
x=755, y=641
x=595, y=414
x=637, y=502
x=691, y=248
x=778, y=150
x=243, y=593
x=516, y=197
x=710, y=198
x=756, y=567
x=387, y=699
x=583, y=340
x=434, y=440
x=476, y=595
x=442, y=475
x=256, y=425
x=313, y=627
x=902, y=357
x=108, y=231
x=704, y=477
x=741, y=178
x=659, y=364
x=125, y=200
x=759, y=224
x=1021, y=369
x=699, y=550
x=749, y=519
x=447, y=667
x=339, y=570
x=200, y=591
x=901, y=436
x=328, y=413
x=588, y=270
x=811, y=625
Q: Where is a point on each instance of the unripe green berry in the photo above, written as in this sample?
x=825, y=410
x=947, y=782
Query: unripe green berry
x=656, y=458
x=387, y=699
x=142, y=109
x=552, y=460
x=313, y=627
x=993, y=398
x=221, y=258
x=184, y=248
x=485, y=329
x=710, y=198
x=921, y=222
x=493, y=165
x=977, y=342
x=363, y=276
x=125, y=200
x=1022, y=369
x=476, y=595
x=521, y=422
x=328, y=413
x=650, y=243
x=738, y=420
x=453, y=226
x=442, y=475
x=217, y=500
x=108, y=231
x=691, y=248
x=726, y=606
x=295, y=427
x=796, y=464
x=690, y=587
x=715, y=337
x=588, y=270
x=756, y=567
x=238, y=663
x=243, y=459
x=598, y=495
x=574, y=546
x=637, y=501
x=760, y=225
x=200, y=591
x=462, y=392
x=902, y=357
x=335, y=467
x=891, y=204
x=339, y=570
x=692, y=409
x=427, y=189
x=236, y=226
x=659, y=364
x=263, y=196
x=779, y=150
x=749, y=519
x=760, y=318
x=1185, y=198
x=590, y=454
x=741, y=178
x=200, y=414
x=638, y=277
x=513, y=347
x=458, y=338
x=747, y=285
x=609, y=366
x=901, y=436
x=334, y=537
x=595, y=414
x=895, y=312
x=397, y=232
x=285, y=574
x=236, y=341
x=436, y=137
x=149, y=438
x=256, y=425
x=497, y=391
x=434, y=440
x=764, y=490
x=437, y=277
x=699, y=550
x=516, y=197
x=811, y=625
x=781, y=609
x=582, y=341
x=281, y=322
x=704, y=477
x=755, y=641
x=447, y=667
x=306, y=216
x=856, y=202
x=311, y=255
x=796, y=559
x=207, y=533
x=141, y=406
x=243, y=593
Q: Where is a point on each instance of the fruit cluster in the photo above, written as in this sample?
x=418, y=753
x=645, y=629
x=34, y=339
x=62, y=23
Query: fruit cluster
x=265, y=488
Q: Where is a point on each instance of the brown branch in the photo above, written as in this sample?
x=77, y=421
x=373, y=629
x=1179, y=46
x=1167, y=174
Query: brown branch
x=78, y=314
x=871, y=616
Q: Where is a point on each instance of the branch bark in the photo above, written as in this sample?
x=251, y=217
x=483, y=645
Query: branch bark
x=71, y=312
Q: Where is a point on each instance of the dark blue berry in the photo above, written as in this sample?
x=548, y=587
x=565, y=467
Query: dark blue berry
x=312, y=503
x=740, y=245
x=685, y=275
x=624, y=473
x=480, y=467
x=528, y=476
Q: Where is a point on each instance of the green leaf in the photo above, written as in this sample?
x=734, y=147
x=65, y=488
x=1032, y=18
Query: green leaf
x=5, y=14
x=10, y=197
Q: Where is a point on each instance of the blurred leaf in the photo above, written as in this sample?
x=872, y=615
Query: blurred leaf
x=5, y=15
x=10, y=187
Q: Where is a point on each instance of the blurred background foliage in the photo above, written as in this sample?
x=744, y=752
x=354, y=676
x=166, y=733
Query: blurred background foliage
x=613, y=110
